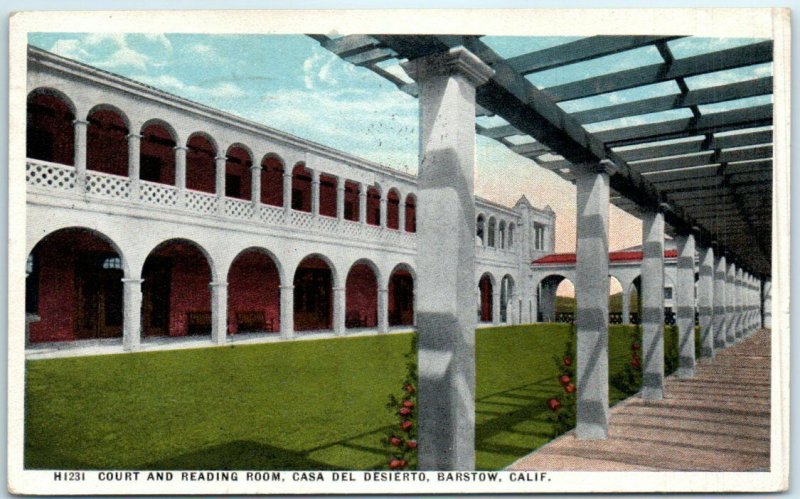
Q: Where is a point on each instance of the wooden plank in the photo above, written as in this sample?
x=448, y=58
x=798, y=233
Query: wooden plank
x=657, y=151
x=579, y=50
x=711, y=95
x=761, y=152
x=681, y=68
x=674, y=163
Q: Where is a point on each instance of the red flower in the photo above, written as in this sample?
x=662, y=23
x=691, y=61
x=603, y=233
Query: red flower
x=567, y=361
x=396, y=463
x=635, y=346
x=406, y=425
x=410, y=388
x=412, y=444
x=564, y=379
x=569, y=388
x=408, y=403
x=554, y=404
x=635, y=363
x=405, y=411
x=403, y=464
x=395, y=441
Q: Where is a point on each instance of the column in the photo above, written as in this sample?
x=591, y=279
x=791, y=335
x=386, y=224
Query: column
x=401, y=216
x=684, y=302
x=255, y=185
x=705, y=302
x=219, y=312
x=315, y=193
x=362, y=203
x=339, y=304
x=766, y=301
x=340, y=198
x=383, y=310
x=384, y=202
x=496, y=303
x=740, y=309
x=591, y=294
x=132, y=313
x=446, y=259
x=626, y=305
x=719, y=303
x=730, y=299
x=180, y=174
x=653, y=305
x=134, y=141
x=287, y=310
x=220, y=183
x=80, y=127
x=287, y=196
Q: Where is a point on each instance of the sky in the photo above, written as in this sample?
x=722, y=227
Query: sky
x=289, y=82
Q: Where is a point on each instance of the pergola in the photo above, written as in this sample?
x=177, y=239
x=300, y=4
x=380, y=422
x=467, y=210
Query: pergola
x=683, y=142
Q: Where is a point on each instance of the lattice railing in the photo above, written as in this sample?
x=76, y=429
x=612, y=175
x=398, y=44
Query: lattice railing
x=327, y=224
x=157, y=194
x=50, y=176
x=201, y=202
x=302, y=219
x=236, y=208
x=272, y=215
x=108, y=186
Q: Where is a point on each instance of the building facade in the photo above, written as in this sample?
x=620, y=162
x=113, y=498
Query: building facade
x=153, y=217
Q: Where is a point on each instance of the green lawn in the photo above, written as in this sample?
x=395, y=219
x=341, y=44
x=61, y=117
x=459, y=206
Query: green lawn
x=294, y=405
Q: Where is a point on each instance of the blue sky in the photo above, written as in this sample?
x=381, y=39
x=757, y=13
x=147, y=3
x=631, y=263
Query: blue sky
x=290, y=83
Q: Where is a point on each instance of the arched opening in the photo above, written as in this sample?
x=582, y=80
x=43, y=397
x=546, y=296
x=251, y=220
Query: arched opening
x=201, y=163
x=669, y=301
x=50, y=135
x=615, y=305
x=480, y=230
x=502, y=231
x=313, y=295
x=107, y=142
x=176, y=298
x=510, y=235
x=556, y=299
x=393, y=209
x=237, y=173
x=401, y=297
x=492, y=225
x=486, y=303
x=254, y=294
x=157, y=154
x=635, y=301
x=351, y=201
x=272, y=180
x=373, y=206
x=506, y=294
x=301, y=188
x=411, y=213
x=74, y=286
x=361, y=297
x=327, y=195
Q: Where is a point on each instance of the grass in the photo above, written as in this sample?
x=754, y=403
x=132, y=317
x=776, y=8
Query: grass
x=294, y=405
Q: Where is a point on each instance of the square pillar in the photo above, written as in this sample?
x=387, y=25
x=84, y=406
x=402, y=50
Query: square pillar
x=255, y=185
x=221, y=166
x=132, y=314
x=719, y=303
x=80, y=129
x=180, y=174
x=496, y=303
x=315, y=193
x=287, y=311
x=591, y=295
x=339, y=303
x=287, y=196
x=730, y=305
x=653, y=305
x=684, y=301
x=705, y=302
x=362, y=203
x=134, y=142
x=446, y=256
x=384, y=202
x=739, y=306
x=401, y=217
x=383, y=310
x=340, y=198
x=219, y=312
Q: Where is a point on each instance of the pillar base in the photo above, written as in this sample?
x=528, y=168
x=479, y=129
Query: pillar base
x=651, y=393
x=685, y=372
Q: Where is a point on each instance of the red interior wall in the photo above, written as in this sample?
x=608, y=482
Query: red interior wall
x=327, y=196
x=301, y=181
x=351, y=196
x=189, y=290
x=362, y=294
x=49, y=114
x=373, y=207
x=272, y=181
x=239, y=164
x=411, y=214
x=154, y=142
x=200, y=165
x=254, y=286
x=393, y=210
x=486, y=299
x=107, y=143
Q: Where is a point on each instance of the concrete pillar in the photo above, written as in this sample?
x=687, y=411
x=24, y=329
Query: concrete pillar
x=626, y=305
x=315, y=193
x=739, y=305
x=287, y=195
x=255, y=185
x=684, y=303
x=80, y=128
x=730, y=309
x=219, y=188
x=719, y=303
x=339, y=305
x=766, y=303
x=362, y=203
x=401, y=217
x=705, y=302
x=131, y=313
x=134, y=141
x=496, y=303
x=653, y=305
x=340, y=198
x=180, y=174
x=446, y=258
x=383, y=310
x=219, y=312
x=384, y=202
x=591, y=294
x=287, y=311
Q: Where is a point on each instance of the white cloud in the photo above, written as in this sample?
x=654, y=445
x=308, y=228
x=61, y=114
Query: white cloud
x=69, y=48
x=169, y=83
x=125, y=57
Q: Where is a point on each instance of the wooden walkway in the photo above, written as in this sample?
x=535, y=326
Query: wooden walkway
x=717, y=421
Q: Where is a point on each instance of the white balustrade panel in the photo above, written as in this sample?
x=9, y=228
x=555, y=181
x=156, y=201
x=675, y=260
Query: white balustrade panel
x=50, y=175
x=201, y=202
x=157, y=194
x=108, y=186
x=236, y=208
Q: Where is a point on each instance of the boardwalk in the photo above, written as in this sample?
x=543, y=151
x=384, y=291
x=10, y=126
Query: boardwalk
x=717, y=421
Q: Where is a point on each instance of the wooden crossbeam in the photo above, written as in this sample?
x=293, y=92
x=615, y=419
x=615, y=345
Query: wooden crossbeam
x=761, y=152
x=699, y=145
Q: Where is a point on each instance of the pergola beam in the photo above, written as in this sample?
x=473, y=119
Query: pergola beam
x=753, y=153
x=699, y=145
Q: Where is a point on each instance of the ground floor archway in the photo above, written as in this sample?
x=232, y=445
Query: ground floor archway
x=313, y=295
x=486, y=302
x=361, y=297
x=254, y=301
x=401, y=297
